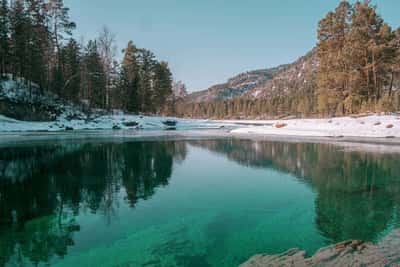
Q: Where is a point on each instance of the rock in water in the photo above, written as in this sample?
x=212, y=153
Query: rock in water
x=170, y=123
x=131, y=124
x=349, y=253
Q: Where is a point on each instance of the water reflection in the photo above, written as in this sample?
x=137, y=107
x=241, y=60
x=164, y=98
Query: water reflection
x=44, y=188
x=358, y=193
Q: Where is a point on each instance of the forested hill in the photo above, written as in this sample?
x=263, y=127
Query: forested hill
x=38, y=50
x=234, y=87
x=354, y=68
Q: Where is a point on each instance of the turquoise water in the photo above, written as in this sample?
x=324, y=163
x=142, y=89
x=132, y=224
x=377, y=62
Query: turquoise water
x=187, y=203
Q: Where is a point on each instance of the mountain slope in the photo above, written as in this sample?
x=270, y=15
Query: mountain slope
x=236, y=86
x=278, y=81
x=294, y=77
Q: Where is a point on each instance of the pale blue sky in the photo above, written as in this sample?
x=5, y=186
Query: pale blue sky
x=208, y=41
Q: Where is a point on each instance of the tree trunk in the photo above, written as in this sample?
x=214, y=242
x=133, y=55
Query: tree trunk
x=374, y=72
x=391, y=84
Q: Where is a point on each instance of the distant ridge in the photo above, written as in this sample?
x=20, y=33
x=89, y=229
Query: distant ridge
x=235, y=86
x=268, y=82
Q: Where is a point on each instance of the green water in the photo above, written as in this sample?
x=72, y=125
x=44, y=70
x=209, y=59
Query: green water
x=187, y=203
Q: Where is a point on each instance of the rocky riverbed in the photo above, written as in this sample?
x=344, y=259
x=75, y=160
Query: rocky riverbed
x=349, y=253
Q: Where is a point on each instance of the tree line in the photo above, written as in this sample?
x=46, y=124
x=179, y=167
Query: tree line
x=358, y=71
x=36, y=44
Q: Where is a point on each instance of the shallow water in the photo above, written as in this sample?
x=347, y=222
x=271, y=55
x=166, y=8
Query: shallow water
x=187, y=203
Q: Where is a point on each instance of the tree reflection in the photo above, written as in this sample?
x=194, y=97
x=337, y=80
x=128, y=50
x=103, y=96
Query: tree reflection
x=358, y=193
x=43, y=189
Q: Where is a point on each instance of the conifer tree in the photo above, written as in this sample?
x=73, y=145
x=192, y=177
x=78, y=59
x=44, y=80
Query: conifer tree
x=163, y=86
x=60, y=24
x=146, y=60
x=4, y=36
x=332, y=76
x=39, y=42
x=19, y=38
x=71, y=60
x=129, y=79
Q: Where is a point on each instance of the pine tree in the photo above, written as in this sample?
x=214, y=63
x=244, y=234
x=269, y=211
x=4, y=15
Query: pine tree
x=129, y=79
x=147, y=62
x=4, y=36
x=19, y=38
x=39, y=42
x=71, y=60
x=163, y=86
x=60, y=24
x=332, y=76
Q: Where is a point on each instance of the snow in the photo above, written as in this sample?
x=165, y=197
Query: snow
x=372, y=126
x=71, y=118
x=375, y=125
x=105, y=122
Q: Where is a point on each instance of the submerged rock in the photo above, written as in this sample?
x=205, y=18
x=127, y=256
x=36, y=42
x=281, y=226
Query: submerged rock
x=348, y=253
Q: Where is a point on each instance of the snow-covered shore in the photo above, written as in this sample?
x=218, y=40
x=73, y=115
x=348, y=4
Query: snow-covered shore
x=104, y=122
x=372, y=126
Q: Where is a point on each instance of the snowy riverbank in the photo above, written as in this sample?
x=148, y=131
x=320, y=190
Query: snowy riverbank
x=104, y=122
x=372, y=126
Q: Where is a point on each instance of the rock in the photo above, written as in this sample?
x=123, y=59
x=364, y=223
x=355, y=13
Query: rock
x=170, y=123
x=68, y=128
x=347, y=253
x=280, y=125
x=116, y=127
x=131, y=124
x=74, y=116
x=389, y=126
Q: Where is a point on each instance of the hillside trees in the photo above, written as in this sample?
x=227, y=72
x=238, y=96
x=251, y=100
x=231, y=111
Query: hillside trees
x=356, y=53
x=36, y=47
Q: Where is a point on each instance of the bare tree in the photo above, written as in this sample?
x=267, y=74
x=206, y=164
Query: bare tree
x=107, y=50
